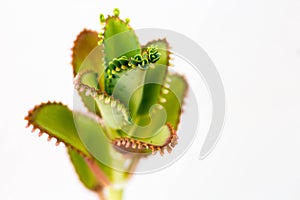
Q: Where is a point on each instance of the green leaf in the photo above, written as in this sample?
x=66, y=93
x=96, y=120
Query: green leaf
x=95, y=139
x=114, y=114
x=119, y=39
x=92, y=135
x=172, y=96
x=80, y=132
x=163, y=48
x=99, y=145
x=57, y=121
x=163, y=139
x=90, y=84
x=87, y=55
x=155, y=76
x=84, y=173
x=90, y=79
x=147, y=124
x=129, y=89
x=160, y=138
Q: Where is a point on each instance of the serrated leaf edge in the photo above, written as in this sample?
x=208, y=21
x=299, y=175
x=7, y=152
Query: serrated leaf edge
x=43, y=131
x=102, y=96
x=167, y=48
x=132, y=144
x=166, y=87
x=102, y=33
x=97, y=188
x=85, y=30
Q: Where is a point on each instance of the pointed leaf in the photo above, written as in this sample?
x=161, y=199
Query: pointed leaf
x=87, y=55
x=119, y=39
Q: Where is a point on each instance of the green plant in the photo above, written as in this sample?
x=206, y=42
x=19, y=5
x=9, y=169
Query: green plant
x=133, y=106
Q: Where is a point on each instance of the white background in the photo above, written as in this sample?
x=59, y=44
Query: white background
x=256, y=48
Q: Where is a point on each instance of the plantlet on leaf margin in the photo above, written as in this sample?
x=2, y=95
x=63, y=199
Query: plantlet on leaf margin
x=118, y=81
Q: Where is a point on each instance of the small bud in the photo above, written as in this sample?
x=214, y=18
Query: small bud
x=163, y=100
x=113, y=103
x=116, y=12
x=107, y=100
x=102, y=18
x=165, y=91
x=101, y=97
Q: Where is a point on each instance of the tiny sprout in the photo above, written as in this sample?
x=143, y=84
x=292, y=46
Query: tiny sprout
x=102, y=18
x=116, y=12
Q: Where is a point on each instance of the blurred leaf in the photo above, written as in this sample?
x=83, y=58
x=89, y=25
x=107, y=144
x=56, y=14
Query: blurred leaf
x=87, y=54
x=172, y=97
x=84, y=173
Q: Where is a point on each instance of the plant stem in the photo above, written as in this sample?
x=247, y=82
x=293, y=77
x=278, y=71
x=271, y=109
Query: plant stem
x=111, y=194
x=102, y=178
x=115, y=194
x=101, y=195
x=133, y=164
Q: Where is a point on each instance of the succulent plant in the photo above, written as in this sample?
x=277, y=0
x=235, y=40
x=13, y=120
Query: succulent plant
x=133, y=106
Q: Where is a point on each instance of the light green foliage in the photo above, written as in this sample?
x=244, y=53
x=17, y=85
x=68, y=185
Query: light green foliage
x=57, y=121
